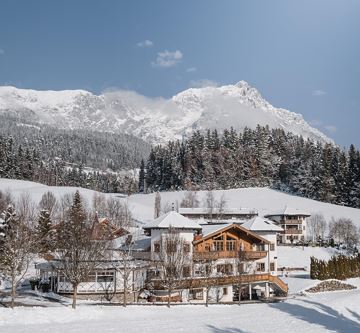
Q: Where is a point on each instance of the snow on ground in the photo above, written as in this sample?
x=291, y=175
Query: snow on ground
x=324, y=312
x=299, y=257
x=264, y=200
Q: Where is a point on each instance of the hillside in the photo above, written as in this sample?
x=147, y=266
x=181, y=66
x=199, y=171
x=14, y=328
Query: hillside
x=155, y=120
x=264, y=200
x=90, y=148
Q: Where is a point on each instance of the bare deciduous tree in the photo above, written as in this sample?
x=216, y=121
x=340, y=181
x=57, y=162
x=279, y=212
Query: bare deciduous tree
x=190, y=200
x=316, y=226
x=118, y=212
x=210, y=203
x=206, y=271
x=221, y=205
x=49, y=203
x=17, y=247
x=173, y=258
x=157, y=205
x=343, y=230
x=125, y=266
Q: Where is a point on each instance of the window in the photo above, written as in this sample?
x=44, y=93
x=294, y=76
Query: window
x=156, y=247
x=272, y=247
x=105, y=276
x=230, y=245
x=219, y=245
x=259, y=247
x=272, y=266
x=260, y=267
x=226, y=269
x=303, y=227
x=225, y=291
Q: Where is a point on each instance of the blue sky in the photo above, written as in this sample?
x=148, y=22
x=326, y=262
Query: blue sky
x=301, y=55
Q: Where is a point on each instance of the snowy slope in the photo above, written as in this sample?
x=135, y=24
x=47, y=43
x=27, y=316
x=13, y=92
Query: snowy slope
x=264, y=200
x=156, y=120
x=298, y=257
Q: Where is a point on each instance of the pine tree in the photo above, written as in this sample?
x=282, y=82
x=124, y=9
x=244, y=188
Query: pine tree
x=142, y=176
x=44, y=232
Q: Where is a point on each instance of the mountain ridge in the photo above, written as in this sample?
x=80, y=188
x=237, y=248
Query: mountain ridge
x=156, y=120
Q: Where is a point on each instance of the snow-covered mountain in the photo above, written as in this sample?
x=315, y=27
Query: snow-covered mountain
x=156, y=120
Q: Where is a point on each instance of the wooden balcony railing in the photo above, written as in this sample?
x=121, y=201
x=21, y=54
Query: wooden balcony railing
x=248, y=255
x=285, y=221
x=200, y=282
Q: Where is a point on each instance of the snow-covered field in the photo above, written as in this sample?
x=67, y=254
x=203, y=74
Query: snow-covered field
x=264, y=200
x=325, y=312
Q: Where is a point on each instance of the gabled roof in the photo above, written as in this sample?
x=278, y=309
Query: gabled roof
x=261, y=224
x=172, y=219
x=289, y=211
x=217, y=211
x=223, y=227
x=103, y=228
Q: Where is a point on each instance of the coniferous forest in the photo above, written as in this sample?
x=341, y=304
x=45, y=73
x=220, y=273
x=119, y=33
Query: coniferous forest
x=253, y=158
x=94, y=160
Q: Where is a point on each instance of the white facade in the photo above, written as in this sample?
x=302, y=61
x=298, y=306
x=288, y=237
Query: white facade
x=294, y=224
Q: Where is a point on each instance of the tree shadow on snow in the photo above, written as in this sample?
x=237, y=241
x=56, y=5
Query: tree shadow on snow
x=225, y=330
x=327, y=317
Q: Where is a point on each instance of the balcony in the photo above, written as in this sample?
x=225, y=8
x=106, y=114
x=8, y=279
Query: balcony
x=213, y=255
x=293, y=231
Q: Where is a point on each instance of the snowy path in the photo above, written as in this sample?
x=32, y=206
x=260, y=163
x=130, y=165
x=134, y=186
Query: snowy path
x=327, y=312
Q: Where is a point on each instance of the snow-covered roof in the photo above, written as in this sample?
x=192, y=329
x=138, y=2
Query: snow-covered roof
x=225, y=211
x=208, y=229
x=142, y=244
x=289, y=211
x=261, y=224
x=174, y=220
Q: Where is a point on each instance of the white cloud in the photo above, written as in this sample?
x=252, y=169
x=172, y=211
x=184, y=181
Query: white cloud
x=315, y=122
x=330, y=128
x=145, y=43
x=202, y=83
x=167, y=59
x=318, y=92
x=191, y=69
x=2, y=51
